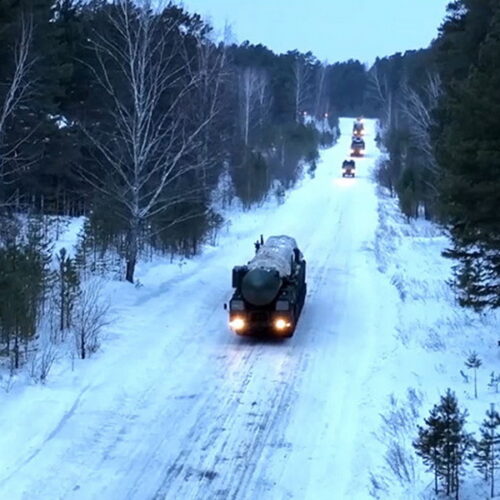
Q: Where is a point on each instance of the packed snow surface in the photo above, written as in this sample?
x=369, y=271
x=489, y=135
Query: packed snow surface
x=176, y=406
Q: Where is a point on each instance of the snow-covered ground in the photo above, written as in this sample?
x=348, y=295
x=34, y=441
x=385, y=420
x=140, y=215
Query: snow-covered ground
x=175, y=406
x=435, y=337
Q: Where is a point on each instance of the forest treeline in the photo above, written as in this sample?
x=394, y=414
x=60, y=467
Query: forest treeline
x=111, y=104
x=145, y=123
x=439, y=111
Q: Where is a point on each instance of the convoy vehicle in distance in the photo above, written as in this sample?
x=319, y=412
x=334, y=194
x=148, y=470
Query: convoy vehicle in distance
x=270, y=290
x=358, y=128
x=357, y=146
x=348, y=168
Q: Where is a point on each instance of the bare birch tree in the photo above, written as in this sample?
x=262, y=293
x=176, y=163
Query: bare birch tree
x=418, y=107
x=18, y=90
x=212, y=76
x=303, y=79
x=320, y=104
x=380, y=91
x=148, y=66
x=91, y=316
x=253, y=90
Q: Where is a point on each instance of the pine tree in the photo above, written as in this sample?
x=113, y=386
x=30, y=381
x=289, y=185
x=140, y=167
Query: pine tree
x=468, y=150
x=487, y=449
x=494, y=381
x=24, y=279
x=444, y=444
x=474, y=362
x=428, y=444
x=29, y=130
x=69, y=287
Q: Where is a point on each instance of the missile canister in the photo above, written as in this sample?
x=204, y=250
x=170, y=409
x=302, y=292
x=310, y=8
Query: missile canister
x=260, y=286
x=273, y=262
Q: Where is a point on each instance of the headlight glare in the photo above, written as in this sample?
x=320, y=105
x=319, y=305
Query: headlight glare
x=237, y=324
x=281, y=324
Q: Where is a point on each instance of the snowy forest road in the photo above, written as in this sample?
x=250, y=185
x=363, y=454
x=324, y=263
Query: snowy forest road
x=183, y=409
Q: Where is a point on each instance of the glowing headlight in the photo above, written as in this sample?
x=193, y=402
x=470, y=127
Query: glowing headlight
x=237, y=324
x=281, y=324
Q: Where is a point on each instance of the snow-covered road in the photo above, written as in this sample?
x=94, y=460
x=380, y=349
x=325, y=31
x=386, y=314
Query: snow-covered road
x=177, y=407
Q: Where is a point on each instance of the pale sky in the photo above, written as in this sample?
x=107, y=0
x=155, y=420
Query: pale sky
x=334, y=30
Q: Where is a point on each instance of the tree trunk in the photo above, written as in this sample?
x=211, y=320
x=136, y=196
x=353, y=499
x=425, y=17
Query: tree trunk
x=493, y=451
x=82, y=345
x=62, y=304
x=129, y=275
x=132, y=251
x=16, y=351
x=435, y=480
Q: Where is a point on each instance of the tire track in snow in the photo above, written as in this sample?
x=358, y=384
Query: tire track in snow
x=268, y=428
x=184, y=423
x=51, y=435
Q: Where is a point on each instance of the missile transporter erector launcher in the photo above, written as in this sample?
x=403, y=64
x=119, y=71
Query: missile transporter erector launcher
x=357, y=147
x=358, y=129
x=348, y=168
x=270, y=290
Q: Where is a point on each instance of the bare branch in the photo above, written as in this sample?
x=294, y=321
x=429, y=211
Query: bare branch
x=418, y=110
x=163, y=97
x=253, y=84
x=18, y=92
x=380, y=91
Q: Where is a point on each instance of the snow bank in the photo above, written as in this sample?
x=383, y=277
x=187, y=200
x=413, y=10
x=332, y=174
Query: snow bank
x=434, y=336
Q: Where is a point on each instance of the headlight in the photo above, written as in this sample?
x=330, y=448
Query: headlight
x=236, y=305
x=237, y=323
x=281, y=324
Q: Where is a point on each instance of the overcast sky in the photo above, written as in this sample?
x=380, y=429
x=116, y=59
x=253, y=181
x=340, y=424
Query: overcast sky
x=334, y=30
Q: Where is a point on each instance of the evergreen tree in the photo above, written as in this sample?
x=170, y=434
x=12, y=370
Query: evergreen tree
x=24, y=279
x=429, y=442
x=444, y=443
x=487, y=449
x=29, y=132
x=468, y=149
x=494, y=381
x=69, y=287
x=474, y=362
x=346, y=88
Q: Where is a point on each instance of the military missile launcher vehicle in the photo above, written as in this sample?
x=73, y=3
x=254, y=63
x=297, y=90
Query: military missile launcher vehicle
x=358, y=129
x=270, y=290
x=357, y=146
x=348, y=168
